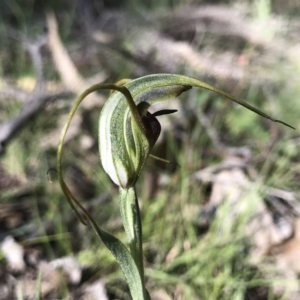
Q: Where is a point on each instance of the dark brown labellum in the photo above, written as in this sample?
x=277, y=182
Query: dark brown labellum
x=152, y=127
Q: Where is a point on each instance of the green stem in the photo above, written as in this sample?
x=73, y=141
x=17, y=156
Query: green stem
x=130, y=213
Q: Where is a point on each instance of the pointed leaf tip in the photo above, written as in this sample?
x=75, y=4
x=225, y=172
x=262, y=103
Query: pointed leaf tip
x=286, y=124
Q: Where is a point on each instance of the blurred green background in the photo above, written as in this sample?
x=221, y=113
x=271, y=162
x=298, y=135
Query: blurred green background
x=251, y=49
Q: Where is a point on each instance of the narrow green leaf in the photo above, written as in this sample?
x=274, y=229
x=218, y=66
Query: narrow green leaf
x=122, y=256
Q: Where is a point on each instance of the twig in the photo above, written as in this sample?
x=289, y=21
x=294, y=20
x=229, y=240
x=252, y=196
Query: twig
x=34, y=49
x=66, y=68
x=213, y=19
x=9, y=92
x=9, y=128
x=243, y=151
x=34, y=101
x=33, y=46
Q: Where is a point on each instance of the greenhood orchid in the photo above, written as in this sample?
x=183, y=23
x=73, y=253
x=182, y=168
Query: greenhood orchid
x=127, y=134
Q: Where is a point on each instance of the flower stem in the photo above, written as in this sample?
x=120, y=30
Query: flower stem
x=130, y=213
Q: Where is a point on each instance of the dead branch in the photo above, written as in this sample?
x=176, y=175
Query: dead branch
x=66, y=68
x=156, y=52
x=63, y=63
x=219, y=20
x=11, y=92
x=233, y=154
x=11, y=127
x=154, y=48
x=34, y=49
x=33, y=46
x=34, y=101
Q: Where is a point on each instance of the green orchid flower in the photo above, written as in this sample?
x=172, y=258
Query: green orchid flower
x=127, y=134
